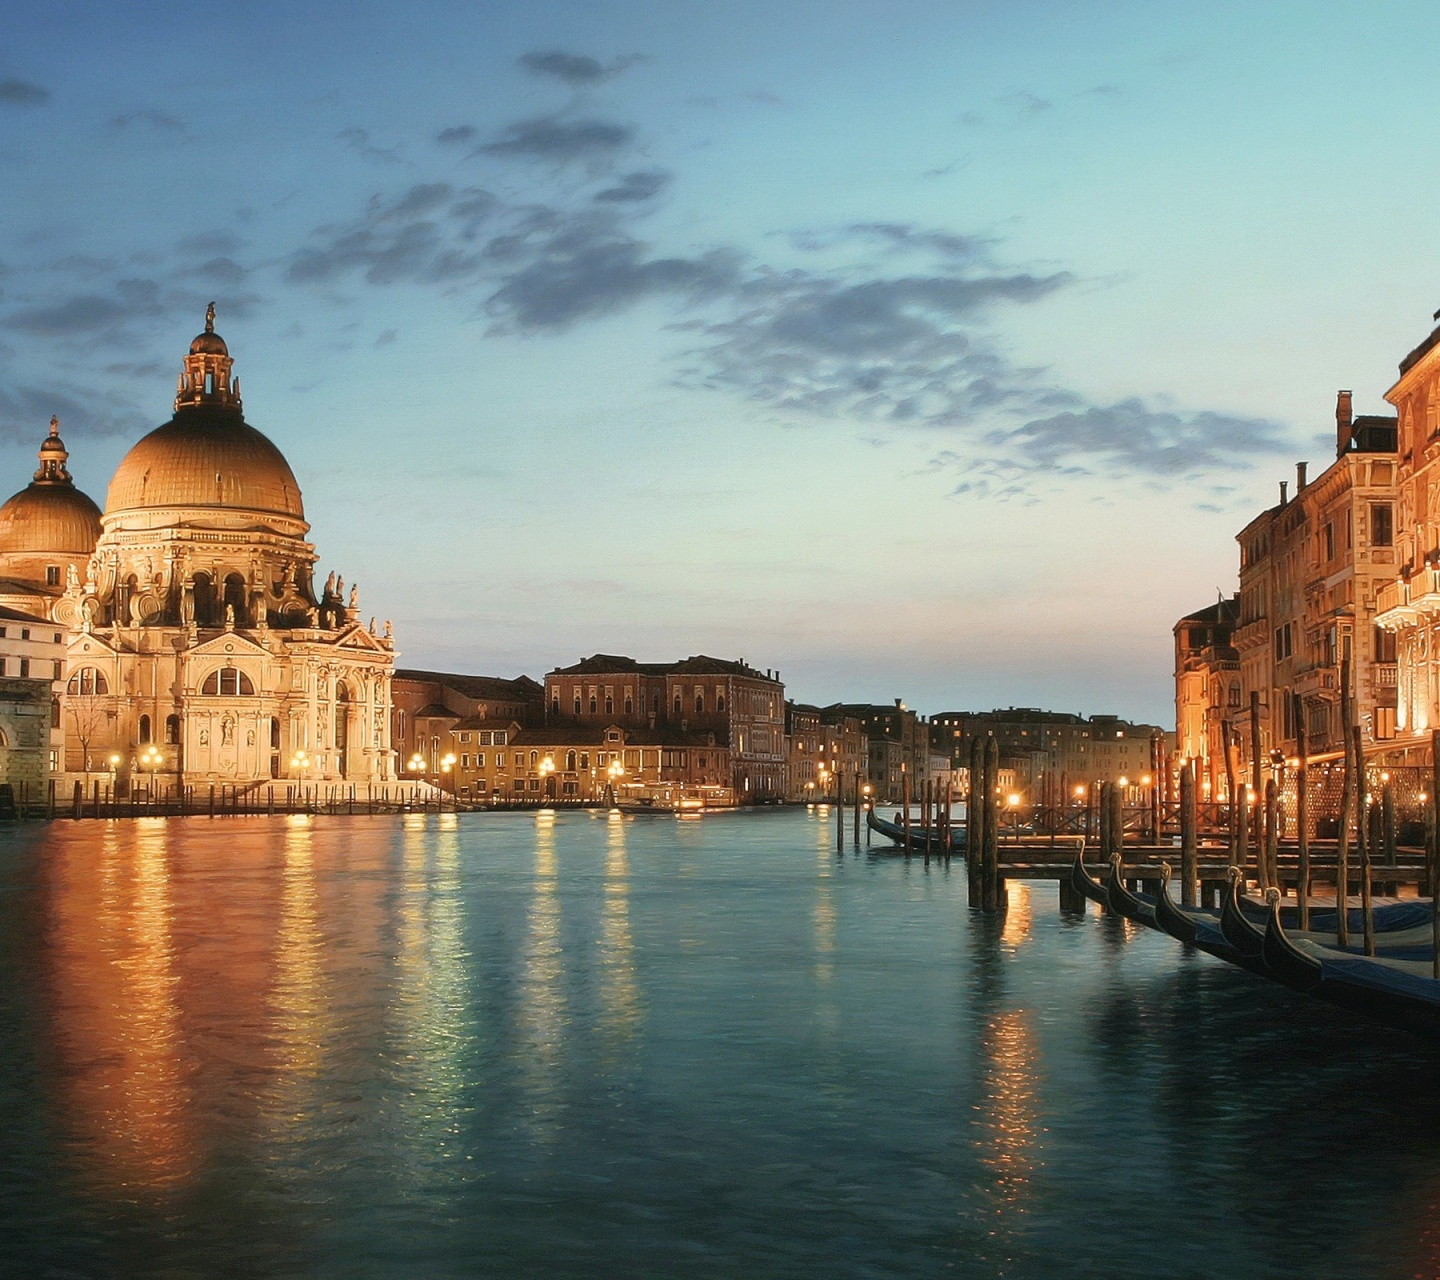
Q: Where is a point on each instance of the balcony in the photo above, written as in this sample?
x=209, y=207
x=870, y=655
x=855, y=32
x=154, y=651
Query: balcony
x=1317, y=682
x=1401, y=604
x=1385, y=675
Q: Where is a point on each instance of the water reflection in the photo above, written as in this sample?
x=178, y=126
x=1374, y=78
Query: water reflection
x=1017, y=915
x=543, y=1012
x=123, y=1072
x=824, y=913
x=619, y=994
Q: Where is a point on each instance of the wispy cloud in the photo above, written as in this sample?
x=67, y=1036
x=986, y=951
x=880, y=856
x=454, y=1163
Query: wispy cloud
x=556, y=139
x=21, y=93
x=577, y=70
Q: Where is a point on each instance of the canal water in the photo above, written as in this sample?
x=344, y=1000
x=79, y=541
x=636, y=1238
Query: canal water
x=578, y=1045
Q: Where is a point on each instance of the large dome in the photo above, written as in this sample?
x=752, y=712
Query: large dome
x=206, y=456
x=49, y=519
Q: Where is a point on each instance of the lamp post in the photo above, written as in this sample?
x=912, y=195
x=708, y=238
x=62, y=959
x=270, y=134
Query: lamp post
x=546, y=768
x=151, y=759
x=299, y=762
x=447, y=765
x=616, y=771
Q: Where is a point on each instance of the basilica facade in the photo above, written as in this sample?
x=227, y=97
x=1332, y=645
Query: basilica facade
x=199, y=647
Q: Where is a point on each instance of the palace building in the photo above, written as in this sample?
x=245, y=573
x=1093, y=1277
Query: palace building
x=199, y=647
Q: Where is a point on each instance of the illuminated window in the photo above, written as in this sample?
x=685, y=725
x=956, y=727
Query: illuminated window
x=144, y=728
x=227, y=682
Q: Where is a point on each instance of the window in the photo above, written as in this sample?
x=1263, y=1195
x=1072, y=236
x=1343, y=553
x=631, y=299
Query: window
x=677, y=706
x=1382, y=532
x=609, y=705
x=24, y=633
x=534, y=758
x=555, y=705
x=1384, y=645
x=1329, y=542
x=1234, y=697
x=629, y=706
x=577, y=704
x=479, y=759
x=584, y=759
x=56, y=670
x=54, y=713
x=1384, y=722
x=52, y=575
x=499, y=759
x=464, y=737
x=569, y=762
x=720, y=703
x=144, y=728
x=227, y=682
x=24, y=668
x=699, y=704
x=594, y=705
x=518, y=784
x=464, y=761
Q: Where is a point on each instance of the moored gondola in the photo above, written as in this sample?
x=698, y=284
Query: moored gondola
x=1084, y=883
x=1125, y=903
x=1246, y=937
x=1172, y=919
x=895, y=831
x=1285, y=961
x=1198, y=926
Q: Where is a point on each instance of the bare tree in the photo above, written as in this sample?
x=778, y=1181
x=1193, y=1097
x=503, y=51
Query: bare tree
x=88, y=716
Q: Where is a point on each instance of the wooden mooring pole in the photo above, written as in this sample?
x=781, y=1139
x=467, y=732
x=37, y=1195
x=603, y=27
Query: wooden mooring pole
x=1362, y=845
x=905, y=806
x=1227, y=736
x=1435, y=852
x=1302, y=819
x=975, y=827
x=994, y=891
x=1347, y=797
x=1187, y=834
x=1257, y=785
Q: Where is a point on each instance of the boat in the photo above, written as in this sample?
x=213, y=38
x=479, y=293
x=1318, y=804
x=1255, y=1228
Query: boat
x=1240, y=931
x=1133, y=906
x=1198, y=927
x=895, y=831
x=1400, y=993
x=1084, y=883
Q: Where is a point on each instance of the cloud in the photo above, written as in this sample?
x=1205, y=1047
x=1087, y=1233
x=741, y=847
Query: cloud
x=634, y=187
x=576, y=70
x=358, y=140
x=456, y=134
x=162, y=121
x=1131, y=436
x=81, y=313
x=551, y=138
x=221, y=241
x=220, y=271
x=25, y=412
x=21, y=93
x=1025, y=102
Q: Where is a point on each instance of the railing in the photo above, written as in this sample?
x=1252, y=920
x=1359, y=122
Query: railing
x=1385, y=675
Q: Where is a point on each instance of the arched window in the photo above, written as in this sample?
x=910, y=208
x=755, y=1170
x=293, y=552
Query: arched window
x=655, y=704
x=570, y=762
x=87, y=680
x=720, y=703
x=699, y=704
x=172, y=730
x=534, y=758
x=144, y=728
x=555, y=705
x=609, y=705
x=677, y=706
x=227, y=682
x=577, y=704
x=594, y=706
x=274, y=734
x=1235, y=695
x=629, y=706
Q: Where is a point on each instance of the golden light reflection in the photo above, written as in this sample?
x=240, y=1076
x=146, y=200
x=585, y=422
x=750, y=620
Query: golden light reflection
x=543, y=1013
x=824, y=913
x=298, y=998
x=1009, y=1116
x=123, y=1075
x=620, y=1015
x=1018, y=915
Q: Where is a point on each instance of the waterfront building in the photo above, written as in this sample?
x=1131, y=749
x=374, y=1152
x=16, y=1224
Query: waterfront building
x=1041, y=748
x=896, y=745
x=199, y=647
x=805, y=752
x=1208, y=691
x=430, y=705
x=1408, y=603
x=1311, y=568
x=741, y=707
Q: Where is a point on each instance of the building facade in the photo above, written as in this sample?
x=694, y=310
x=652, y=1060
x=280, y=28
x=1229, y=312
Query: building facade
x=197, y=639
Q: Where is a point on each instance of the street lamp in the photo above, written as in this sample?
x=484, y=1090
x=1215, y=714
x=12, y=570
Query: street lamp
x=546, y=767
x=447, y=763
x=416, y=763
x=616, y=772
x=151, y=759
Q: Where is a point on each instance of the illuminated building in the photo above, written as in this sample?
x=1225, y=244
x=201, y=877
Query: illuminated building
x=1207, y=690
x=194, y=621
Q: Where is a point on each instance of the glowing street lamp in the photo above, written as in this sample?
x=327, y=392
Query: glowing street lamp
x=416, y=763
x=546, y=768
x=616, y=772
x=151, y=759
x=447, y=763
x=299, y=762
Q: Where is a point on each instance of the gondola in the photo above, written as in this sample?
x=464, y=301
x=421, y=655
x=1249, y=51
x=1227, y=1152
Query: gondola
x=1240, y=932
x=1401, y=993
x=1084, y=883
x=895, y=831
x=1199, y=927
x=1133, y=906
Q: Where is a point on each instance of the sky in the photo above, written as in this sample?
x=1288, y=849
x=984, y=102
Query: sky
x=914, y=349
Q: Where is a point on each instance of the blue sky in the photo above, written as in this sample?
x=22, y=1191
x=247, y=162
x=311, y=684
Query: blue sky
x=916, y=349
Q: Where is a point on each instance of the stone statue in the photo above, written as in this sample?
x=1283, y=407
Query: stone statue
x=204, y=737
x=330, y=584
x=373, y=632
x=229, y=617
x=354, y=598
x=227, y=732
x=72, y=577
x=389, y=630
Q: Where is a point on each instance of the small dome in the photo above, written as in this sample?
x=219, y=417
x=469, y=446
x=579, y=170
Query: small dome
x=209, y=343
x=49, y=518
x=206, y=456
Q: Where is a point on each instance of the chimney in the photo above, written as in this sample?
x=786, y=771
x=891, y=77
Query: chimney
x=1300, y=477
x=1344, y=421
x=1284, y=492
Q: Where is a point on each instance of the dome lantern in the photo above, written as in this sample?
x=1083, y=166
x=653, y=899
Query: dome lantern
x=53, y=457
x=205, y=379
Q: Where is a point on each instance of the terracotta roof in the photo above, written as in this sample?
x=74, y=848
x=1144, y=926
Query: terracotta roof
x=489, y=688
x=14, y=615
x=610, y=663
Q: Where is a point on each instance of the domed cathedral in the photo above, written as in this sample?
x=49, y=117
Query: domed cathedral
x=201, y=647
